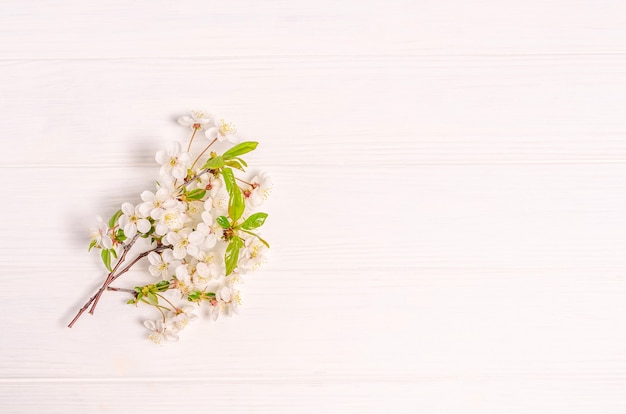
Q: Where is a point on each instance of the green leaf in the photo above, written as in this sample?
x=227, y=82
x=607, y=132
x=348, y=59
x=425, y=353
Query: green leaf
x=232, y=254
x=120, y=235
x=229, y=179
x=113, y=253
x=214, y=163
x=254, y=221
x=113, y=220
x=236, y=204
x=106, y=259
x=240, y=149
x=153, y=299
x=197, y=194
x=241, y=161
x=92, y=245
x=131, y=302
x=223, y=222
x=235, y=164
x=162, y=286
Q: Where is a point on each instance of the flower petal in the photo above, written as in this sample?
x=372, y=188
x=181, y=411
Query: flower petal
x=211, y=133
x=143, y=225
x=128, y=209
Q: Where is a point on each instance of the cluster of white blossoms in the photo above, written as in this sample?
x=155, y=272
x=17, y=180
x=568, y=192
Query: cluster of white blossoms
x=201, y=222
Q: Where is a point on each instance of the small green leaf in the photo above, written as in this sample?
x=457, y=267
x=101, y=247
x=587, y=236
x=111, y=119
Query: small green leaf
x=139, y=296
x=113, y=253
x=113, y=220
x=214, y=163
x=162, y=286
x=235, y=164
x=92, y=245
x=232, y=254
x=254, y=221
x=223, y=222
x=197, y=194
x=131, y=302
x=120, y=235
x=240, y=149
x=236, y=204
x=153, y=299
x=106, y=259
x=229, y=179
x=241, y=161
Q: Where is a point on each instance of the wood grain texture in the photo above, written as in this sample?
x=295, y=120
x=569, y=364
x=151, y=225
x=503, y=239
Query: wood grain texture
x=447, y=224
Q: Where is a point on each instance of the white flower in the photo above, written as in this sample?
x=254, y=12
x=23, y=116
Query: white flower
x=184, y=241
x=183, y=278
x=100, y=234
x=181, y=317
x=223, y=131
x=160, y=332
x=132, y=220
x=228, y=298
x=214, y=309
x=194, y=210
x=251, y=256
x=154, y=205
x=209, y=228
x=197, y=120
x=163, y=265
x=259, y=190
x=172, y=220
x=174, y=161
x=207, y=267
x=219, y=204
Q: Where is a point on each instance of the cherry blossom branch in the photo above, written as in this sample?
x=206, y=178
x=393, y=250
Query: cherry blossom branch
x=111, y=279
x=195, y=177
x=106, y=283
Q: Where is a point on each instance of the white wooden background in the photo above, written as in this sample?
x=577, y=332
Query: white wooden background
x=448, y=221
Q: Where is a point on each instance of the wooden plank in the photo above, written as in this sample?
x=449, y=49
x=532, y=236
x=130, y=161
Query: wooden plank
x=116, y=29
x=327, y=112
x=462, y=215
x=337, y=325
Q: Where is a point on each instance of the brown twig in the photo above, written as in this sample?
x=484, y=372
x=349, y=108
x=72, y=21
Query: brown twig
x=116, y=289
x=110, y=279
x=106, y=283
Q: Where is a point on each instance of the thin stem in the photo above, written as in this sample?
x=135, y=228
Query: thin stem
x=138, y=258
x=245, y=182
x=174, y=307
x=202, y=153
x=191, y=139
x=162, y=313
